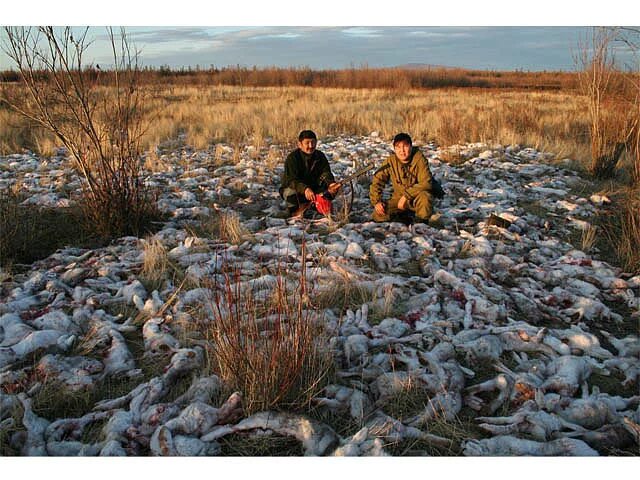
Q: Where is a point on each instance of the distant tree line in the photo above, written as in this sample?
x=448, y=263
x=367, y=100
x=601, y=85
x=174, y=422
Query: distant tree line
x=361, y=77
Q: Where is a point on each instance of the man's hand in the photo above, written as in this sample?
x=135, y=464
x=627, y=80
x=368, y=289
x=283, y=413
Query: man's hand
x=333, y=188
x=403, y=203
x=379, y=208
x=309, y=195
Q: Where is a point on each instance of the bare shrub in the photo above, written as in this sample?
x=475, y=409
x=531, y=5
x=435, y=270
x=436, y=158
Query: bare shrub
x=631, y=38
x=272, y=350
x=611, y=124
x=101, y=129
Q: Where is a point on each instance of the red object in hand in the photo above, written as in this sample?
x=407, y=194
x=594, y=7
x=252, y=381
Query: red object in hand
x=323, y=205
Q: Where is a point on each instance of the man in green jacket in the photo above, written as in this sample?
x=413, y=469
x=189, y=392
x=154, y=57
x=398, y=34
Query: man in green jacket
x=306, y=174
x=411, y=180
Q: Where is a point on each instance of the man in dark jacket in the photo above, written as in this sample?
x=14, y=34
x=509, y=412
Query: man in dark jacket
x=412, y=183
x=306, y=174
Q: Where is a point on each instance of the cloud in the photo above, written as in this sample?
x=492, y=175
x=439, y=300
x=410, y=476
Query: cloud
x=425, y=34
x=162, y=34
x=273, y=35
x=362, y=32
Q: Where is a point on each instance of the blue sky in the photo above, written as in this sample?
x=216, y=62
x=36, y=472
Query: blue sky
x=336, y=36
x=505, y=48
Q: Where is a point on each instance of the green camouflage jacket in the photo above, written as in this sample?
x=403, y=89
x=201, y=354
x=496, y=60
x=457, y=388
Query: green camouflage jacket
x=407, y=179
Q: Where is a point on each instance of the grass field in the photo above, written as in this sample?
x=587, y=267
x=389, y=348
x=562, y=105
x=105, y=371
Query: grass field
x=201, y=116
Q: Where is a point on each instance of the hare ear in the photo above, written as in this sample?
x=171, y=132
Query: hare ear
x=539, y=397
x=632, y=301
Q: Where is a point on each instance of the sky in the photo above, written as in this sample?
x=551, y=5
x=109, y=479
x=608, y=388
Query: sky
x=334, y=35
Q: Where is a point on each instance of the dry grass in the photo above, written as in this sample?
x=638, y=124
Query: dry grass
x=273, y=352
x=29, y=232
x=231, y=229
x=347, y=294
x=248, y=445
x=223, y=225
x=154, y=163
x=619, y=228
x=547, y=120
x=344, y=294
x=17, y=133
x=411, y=400
x=156, y=265
x=627, y=247
x=588, y=238
x=552, y=121
x=156, y=260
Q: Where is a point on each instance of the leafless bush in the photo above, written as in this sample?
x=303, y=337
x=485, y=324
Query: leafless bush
x=611, y=123
x=100, y=129
x=631, y=38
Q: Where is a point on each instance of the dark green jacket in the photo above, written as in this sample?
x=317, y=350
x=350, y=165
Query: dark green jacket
x=302, y=171
x=407, y=179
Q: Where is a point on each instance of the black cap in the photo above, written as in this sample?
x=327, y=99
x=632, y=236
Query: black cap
x=402, y=137
x=307, y=134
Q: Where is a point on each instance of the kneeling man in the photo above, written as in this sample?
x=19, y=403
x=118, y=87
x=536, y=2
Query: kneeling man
x=411, y=179
x=307, y=174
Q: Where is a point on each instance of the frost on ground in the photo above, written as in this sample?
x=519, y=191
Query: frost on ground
x=494, y=317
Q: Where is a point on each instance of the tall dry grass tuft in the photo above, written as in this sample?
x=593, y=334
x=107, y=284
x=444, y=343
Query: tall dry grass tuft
x=156, y=264
x=231, y=229
x=223, y=225
x=272, y=350
x=154, y=163
x=588, y=238
x=628, y=246
x=18, y=133
x=619, y=229
x=634, y=141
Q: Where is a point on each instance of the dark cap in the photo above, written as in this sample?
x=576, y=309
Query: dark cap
x=307, y=134
x=402, y=137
